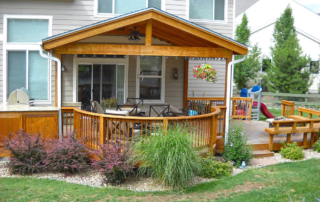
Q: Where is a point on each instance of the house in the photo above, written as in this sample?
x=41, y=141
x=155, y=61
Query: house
x=262, y=16
x=68, y=52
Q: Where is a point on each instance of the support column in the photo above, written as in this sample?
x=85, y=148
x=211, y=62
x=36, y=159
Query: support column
x=228, y=60
x=185, y=85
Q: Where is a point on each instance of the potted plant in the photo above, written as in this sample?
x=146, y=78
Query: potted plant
x=109, y=103
x=205, y=72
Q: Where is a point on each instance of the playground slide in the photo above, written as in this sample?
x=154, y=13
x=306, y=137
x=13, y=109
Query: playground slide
x=264, y=110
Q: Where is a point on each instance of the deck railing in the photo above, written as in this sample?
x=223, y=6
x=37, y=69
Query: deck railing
x=211, y=101
x=121, y=130
x=287, y=108
x=241, y=108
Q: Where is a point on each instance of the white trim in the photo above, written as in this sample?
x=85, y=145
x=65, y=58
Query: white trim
x=163, y=76
x=110, y=15
x=1, y=37
x=11, y=46
x=225, y=21
x=74, y=79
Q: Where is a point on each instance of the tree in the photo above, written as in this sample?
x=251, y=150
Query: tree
x=248, y=69
x=288, y=72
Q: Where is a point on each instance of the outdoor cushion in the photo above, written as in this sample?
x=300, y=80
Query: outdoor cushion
x=174, y=110
x=131, y=111
x=120, y=113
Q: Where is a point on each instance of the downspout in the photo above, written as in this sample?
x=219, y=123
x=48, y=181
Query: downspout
x=229, y=91
x=58, y=86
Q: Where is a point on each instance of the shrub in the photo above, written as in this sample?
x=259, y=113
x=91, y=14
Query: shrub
x=68, y=155
x=316, y=146
x=292, y=151
x=112, y=163
x=215, y=169
x=27, y=152
x=168, y=156
x=236, y=148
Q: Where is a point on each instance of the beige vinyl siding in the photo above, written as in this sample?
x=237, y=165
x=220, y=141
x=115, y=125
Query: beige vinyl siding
x=132, y=76
x=211, y=89
x=174, y=87
x=177, y=7
x=67, y=78
x=53, y=83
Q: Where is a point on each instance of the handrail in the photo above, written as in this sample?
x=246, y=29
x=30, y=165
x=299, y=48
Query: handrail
x=217, y=111
x=120, y=130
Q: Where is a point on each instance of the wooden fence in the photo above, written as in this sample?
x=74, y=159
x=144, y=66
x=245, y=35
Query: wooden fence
x=241, y=108
x=121, y=130
x=278, y=97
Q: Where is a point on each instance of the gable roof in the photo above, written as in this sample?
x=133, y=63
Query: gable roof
x=142, y=15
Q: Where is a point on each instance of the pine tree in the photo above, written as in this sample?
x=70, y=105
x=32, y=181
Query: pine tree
x=288, y=73
x=248, y=69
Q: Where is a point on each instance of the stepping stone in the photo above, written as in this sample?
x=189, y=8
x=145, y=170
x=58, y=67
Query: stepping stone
x=263, y=162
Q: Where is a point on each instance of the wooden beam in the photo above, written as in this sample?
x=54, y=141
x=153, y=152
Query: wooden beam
x=149, y=33
x=109, y=49
x=93, y=31
x=219, y=40
x=186, y=79
x=228, y=60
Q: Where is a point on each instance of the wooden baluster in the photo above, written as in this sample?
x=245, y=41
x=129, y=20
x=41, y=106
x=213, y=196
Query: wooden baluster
x=101, y=130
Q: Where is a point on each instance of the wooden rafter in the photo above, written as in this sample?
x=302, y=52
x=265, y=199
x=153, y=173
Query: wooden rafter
x=110, y=49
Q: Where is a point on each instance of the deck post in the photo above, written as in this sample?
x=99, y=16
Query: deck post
x=102, y=130
x=185, y=85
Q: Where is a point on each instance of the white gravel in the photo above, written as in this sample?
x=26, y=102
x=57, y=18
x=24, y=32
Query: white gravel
x=94, y=179
x=308, y=154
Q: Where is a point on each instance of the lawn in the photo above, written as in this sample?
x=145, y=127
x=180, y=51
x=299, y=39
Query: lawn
x=274, y=183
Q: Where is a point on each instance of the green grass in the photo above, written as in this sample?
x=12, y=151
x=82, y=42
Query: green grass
x=274, y=183
x=277, y=112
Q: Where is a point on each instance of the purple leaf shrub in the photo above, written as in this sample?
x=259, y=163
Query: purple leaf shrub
x=27, y=152
x=112, y=163
x=68, y=155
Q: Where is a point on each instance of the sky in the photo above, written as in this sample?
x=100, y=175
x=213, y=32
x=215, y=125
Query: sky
x=313, y=5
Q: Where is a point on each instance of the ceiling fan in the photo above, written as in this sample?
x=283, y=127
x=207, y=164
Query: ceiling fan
x=134, y=35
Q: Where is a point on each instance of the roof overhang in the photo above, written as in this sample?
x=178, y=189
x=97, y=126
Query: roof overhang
x=186, y=38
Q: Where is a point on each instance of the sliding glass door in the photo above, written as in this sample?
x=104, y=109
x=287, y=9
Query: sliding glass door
x=98, y=81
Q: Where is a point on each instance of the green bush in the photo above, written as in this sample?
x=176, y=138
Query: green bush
x=215, y=169
x=292, y=151
x=316, y=146
x=167, y=156
x=236, y=148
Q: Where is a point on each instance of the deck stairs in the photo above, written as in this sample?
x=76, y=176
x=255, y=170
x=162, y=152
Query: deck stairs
x=259, y=150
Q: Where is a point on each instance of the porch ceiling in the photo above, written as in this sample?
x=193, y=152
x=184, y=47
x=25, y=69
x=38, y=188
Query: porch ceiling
x=185, y=38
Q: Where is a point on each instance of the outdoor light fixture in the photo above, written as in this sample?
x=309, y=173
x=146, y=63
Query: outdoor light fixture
x=63, y=68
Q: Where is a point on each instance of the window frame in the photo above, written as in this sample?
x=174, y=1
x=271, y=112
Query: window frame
x=23, y=46
x=163, y=76
x=97, y=14
x=225, y=21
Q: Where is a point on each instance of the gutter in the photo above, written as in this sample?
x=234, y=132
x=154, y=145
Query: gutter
x=229, y=93
x=58, y=86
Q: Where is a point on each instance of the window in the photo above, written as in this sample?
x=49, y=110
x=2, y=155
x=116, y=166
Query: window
x=314, y=67
x=150, y=82
x=266, y=63
x=25, y=68
x=207, y=10
x=118, y=7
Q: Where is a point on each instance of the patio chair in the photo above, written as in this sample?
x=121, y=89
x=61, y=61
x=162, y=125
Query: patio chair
x=173, y=111
x=135, y=101
x=161, y=110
